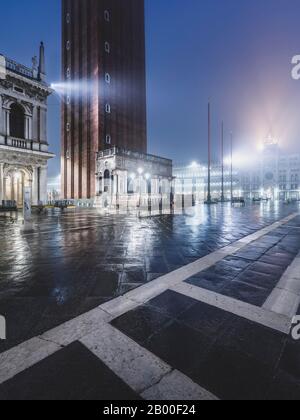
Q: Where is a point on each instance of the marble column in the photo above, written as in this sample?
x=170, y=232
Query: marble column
x=28, y=127
x=35, y=183
x=43, y=185
x=7, y=122
x=2, y=117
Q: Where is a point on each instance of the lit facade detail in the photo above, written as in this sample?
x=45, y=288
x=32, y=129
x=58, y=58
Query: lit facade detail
x=275, y=176
x=24, y=151
x=124, y=178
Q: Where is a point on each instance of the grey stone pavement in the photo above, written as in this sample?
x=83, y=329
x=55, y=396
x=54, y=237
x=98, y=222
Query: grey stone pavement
x=73, y=262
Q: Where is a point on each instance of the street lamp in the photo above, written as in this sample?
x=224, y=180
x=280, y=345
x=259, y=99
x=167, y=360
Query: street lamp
x=209, y=200
x=231, y=166
x=148, y=179
x=140, y=172
x=222, y=152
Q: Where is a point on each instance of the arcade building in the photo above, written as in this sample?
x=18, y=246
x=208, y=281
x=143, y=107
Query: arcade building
x=274, y=176
x=24, y=151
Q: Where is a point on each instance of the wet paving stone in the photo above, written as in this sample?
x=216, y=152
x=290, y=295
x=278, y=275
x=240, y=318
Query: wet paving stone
x=68, y=262
x=181, y=346
x=230, y=356
x=171, y=303
x=142, y=323
x=251, y=274
x=264, y=345
x=106, y=283
x=251, y=252
x=265, y=280
x=246, y=293
x=233, y=376
x=278, y=259
x=284, y=387
x=209, y=282
x=290, y=361
x=264, y=268
x=72, y=373
x=206, y=319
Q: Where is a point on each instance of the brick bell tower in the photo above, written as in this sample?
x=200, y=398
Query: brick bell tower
x=104, y=101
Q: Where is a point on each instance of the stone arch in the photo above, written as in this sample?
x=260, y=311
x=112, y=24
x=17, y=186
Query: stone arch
x=16, y=177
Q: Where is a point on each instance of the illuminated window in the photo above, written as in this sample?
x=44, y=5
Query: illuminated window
x=68, y=127
x=68, y=18
x=106, y=16
x=68, y=45
x=68, y=73
x=68, y=100
x=107, y=108
x=108, y=139
x=107, y=78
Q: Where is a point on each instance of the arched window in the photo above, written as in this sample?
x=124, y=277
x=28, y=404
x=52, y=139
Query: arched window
x=107, y=181
x=17, y=121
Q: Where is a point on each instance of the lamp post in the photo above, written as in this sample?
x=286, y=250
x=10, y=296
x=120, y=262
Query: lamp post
x=222, y=157
x=117, y=191
x=209, y=199
x=140, y=172
x=231, y=166
x=148, y=183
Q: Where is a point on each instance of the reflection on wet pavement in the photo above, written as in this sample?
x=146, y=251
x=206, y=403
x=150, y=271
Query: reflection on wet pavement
x=73, y=262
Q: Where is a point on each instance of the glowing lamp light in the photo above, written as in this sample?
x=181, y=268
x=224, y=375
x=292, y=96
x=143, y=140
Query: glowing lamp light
x=140, y=171
x=147, y=176
x=227, y=161
x=18, y=176
x=132, y=176
x=194, y=165
x=260, y=147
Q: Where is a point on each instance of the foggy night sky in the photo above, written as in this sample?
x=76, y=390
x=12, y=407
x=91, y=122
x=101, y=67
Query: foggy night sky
x=237, y=52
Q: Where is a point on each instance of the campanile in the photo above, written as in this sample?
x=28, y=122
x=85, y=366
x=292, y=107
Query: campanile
x=104, y=100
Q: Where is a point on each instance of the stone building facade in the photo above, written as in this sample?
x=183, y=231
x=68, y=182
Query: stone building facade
x=275, y=176
x=192, y=179
x=126, y=178
x=24, y=151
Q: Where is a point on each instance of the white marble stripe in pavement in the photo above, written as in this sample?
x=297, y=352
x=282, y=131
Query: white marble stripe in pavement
x=24, y=356
x=144, y=372
x=253, y=313
x=35, y=350
x=285, y=298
